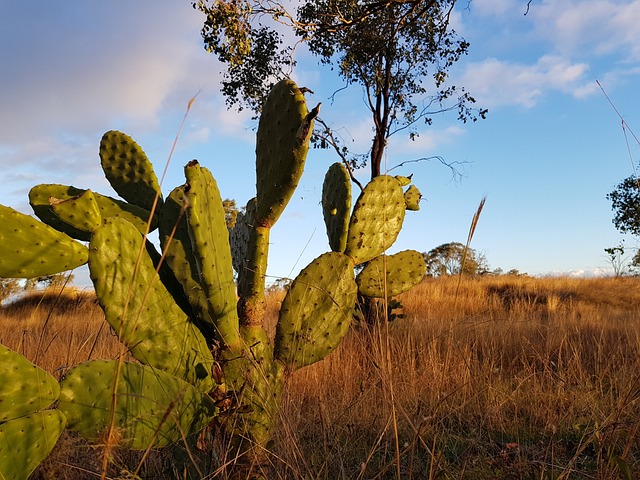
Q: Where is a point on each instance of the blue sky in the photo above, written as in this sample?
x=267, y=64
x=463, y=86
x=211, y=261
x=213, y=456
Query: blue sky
x=546, y=156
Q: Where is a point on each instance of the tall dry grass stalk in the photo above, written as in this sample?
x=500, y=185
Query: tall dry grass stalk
x=540, y=380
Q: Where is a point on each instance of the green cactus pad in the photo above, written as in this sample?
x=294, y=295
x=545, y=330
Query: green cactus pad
x=25, y=388
x=399, y=273
x=81, y=212
x=141, y=310
x=152, y=407
x=29, y=248
x=41, y=198
x=210, y=243
x=240, y=234
x=169, y=280
x=176, y=245
x=376, y=219
x=316, y=312
x=336, y=205
x=25, y=442
x=412, y=198
x=128, y=170
x=281, y=149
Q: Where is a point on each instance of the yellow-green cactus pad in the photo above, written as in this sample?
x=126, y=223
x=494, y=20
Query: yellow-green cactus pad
x=316, y=311
x=25, y=442
x=389, y=275
x=178, y=251
x=141, y=310
x=25, y=388
x=152, y=407
x=376, y=219
x=282, y=144
x=336, y=205
x=412, y=198
x=29, y=248
x=48, y=203
x=210, y=243
x=81, y=212
x=128, y=170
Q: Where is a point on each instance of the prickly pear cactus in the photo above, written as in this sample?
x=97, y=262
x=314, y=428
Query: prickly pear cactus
x=202, y=349
x=370, y=229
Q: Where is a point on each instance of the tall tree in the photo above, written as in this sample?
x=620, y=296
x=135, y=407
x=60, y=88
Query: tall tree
x=398, y=51
x=625, y=202
x=451, y=259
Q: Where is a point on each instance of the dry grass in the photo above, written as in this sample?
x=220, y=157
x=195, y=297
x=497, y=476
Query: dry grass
x=513, y=377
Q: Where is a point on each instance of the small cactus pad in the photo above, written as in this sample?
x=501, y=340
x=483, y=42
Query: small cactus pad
x=81, y=212
x=128, y=170
x=25, y=442
x=29, y=248
x=336, y=205
x=316, y=311
x=141, y=310
x=24, y=388
x=376, y=219
x=386, y=276
x=281, y=149
x=44, y=197
x=412, y=198
x=152, y=407
x=404, y=181
x=210, y=243
x=39, y=197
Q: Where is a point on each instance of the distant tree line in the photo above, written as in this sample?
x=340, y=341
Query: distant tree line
x=454, y=258
x=13, y=286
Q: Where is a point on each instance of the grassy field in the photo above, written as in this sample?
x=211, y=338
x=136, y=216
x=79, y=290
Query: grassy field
x=492, y=378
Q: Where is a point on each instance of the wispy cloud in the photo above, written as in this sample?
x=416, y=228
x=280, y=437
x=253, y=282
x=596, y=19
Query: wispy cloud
x=497, y=82
x=427, y=142
x=90, y=68
x=571, y=44
x=71, y=76
x=586, y=27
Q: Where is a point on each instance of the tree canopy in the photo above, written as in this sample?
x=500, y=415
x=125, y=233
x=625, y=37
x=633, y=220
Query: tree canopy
x=452, y=259
x=399, y=52
x=625, y=202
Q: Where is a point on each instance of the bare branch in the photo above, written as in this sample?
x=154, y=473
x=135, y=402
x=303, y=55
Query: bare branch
x=528, y=5
x=456, y=174
x=327, y=134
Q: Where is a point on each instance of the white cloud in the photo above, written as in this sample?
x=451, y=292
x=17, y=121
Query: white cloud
x=584, y=27
x=87, y=66
x=427, y=142
x=496, y=82
x=493, y=7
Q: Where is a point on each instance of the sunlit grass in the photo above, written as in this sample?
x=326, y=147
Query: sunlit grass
x=512, y=377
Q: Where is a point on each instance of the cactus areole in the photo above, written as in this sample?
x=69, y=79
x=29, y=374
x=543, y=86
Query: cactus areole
x=202, y=351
